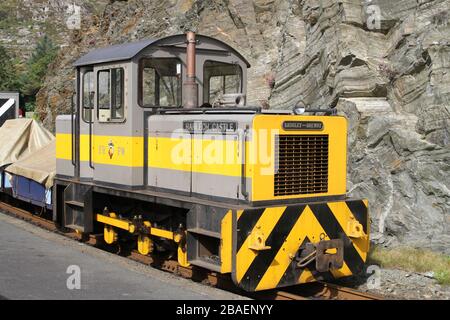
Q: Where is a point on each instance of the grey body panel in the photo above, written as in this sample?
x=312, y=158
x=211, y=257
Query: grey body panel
x=118, y=175
x=170, y=179
x=64, y=167
x=63, y=124
x=214, y=185
x=174, y=122
x=219, y=186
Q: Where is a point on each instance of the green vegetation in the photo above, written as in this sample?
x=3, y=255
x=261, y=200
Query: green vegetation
x=8, y=72
x=36, y=66
x=8, y=20
x=414, y=260
x=27, y=78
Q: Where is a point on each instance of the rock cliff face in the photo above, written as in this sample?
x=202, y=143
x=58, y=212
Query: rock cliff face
x=384, y=64
x=24, y=22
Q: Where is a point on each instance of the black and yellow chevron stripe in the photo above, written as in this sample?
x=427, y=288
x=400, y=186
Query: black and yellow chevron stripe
x=286, y=230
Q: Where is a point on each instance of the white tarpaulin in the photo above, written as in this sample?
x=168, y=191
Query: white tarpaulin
x=20, y=138
x=39, y=166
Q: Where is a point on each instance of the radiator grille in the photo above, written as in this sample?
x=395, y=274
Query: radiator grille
x=301, y=164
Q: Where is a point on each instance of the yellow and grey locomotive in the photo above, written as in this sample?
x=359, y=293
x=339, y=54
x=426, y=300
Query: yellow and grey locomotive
x=162, y=150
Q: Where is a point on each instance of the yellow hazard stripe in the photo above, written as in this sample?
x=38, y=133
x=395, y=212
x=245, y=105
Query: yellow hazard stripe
x=312, y=225
x=265, y=224
x=285, y=255
x=317, y=229
x=306, y=226
x=343, y=215
x=226, y=244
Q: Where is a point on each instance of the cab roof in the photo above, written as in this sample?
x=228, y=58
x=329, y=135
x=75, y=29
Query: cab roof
x=128, y=51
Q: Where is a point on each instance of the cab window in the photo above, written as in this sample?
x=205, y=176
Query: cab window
x=110, y=95
x=160, y=83
x=220, y=78
x=88, y=96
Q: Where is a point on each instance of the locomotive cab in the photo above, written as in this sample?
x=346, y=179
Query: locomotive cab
x=162, y=149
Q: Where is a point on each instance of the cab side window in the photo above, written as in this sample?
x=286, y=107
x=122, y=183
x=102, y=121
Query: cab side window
x=88, y=96
x=110, y=95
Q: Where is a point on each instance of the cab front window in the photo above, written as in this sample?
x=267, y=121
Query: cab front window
x=219, y=79
x=160, y=83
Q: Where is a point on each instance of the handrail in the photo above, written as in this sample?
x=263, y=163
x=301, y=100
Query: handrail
x=243, y=164
x=91, y=120
x=72, y=117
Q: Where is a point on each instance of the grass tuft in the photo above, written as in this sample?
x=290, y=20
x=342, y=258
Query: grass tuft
x=413, y=260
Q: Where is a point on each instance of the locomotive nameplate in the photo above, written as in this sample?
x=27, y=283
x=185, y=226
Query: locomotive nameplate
x=303, y=125
x=210, y=126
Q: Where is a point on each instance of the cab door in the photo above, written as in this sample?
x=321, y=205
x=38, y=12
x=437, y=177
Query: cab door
x=87, y=98
x=118, y=155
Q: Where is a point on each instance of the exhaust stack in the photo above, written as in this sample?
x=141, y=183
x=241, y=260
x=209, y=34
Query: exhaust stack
x=190, y=87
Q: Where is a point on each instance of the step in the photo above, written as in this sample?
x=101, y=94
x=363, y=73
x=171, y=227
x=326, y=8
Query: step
x=205, y=232
x=75, y=227
x=204, y=264
x=75, y=203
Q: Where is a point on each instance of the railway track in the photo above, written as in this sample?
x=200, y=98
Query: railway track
x=312, y=291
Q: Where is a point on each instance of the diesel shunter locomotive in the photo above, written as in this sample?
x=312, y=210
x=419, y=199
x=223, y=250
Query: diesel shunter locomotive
x=161, y=151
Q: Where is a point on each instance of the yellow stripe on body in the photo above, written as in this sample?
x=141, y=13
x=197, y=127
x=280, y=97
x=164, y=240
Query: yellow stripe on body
x=84, y=147
x=220, y=157
x=265, y=224
x=128, y=151
x=64, y=146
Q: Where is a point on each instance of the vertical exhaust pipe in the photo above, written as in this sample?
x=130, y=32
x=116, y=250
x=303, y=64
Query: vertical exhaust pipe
x=190, y=87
